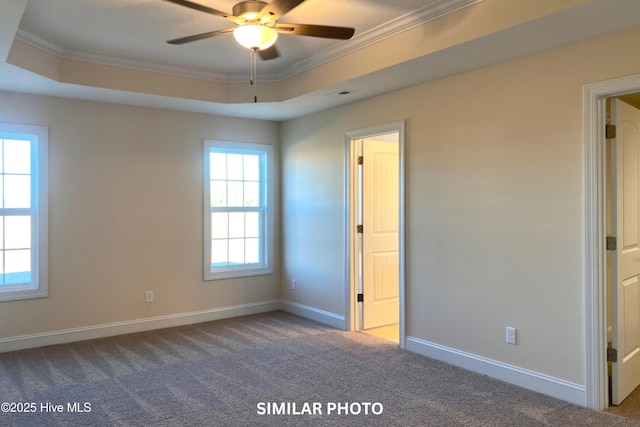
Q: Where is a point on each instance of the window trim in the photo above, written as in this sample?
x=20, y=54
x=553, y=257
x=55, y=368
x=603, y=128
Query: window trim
x=39, y=137
x=266, y=194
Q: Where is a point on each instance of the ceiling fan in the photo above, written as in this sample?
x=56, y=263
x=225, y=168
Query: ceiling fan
x=257, y=26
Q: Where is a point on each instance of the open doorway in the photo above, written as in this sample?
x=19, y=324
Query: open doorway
x=375, y=158
x=600, y=305
x=622, y=145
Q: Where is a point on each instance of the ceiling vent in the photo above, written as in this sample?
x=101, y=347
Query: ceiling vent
x=340, y=93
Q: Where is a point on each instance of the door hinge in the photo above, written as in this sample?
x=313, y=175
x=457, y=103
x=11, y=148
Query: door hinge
x=360, y=160
x=612, y=355
x=612, y=243
x=360, y=228
x=360, y=297
x=610, y=131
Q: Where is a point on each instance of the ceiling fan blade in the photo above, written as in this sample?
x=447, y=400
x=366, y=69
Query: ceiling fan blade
x=196, y=37
x=269, y=53
x=324, y=31
x=278, y=8
x=200, y=7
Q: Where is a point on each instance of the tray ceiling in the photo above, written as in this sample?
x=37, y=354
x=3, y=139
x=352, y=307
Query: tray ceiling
x=116, y=50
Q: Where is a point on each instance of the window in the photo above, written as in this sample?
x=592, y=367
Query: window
x=238, y=223
x=23, y=212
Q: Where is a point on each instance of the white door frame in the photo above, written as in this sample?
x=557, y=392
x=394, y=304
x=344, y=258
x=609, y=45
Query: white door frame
x=595, y=300
x=351, y=273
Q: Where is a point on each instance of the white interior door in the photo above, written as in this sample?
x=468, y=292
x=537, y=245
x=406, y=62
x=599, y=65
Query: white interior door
x=626, y=258
x=380, y=263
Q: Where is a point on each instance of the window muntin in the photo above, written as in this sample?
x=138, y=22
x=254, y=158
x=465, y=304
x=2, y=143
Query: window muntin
x=23, y=212
x=237, y=213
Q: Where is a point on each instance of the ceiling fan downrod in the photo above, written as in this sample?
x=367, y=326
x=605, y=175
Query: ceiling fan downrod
x=254, y=71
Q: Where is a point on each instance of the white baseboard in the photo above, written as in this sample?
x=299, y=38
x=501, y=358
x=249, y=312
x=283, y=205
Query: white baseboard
x=541, y=383
x=325, y=317
x=555, y=387
x=139, y=325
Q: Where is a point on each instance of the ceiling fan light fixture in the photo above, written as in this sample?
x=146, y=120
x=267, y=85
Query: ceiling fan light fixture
x=255, y=37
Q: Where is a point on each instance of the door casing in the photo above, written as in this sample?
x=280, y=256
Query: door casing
x=351, y=274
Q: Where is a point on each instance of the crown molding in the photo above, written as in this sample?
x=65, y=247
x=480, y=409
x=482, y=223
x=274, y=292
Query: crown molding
x=38, y=42
x=56, y=50
x=389, y=29
x=428, y=13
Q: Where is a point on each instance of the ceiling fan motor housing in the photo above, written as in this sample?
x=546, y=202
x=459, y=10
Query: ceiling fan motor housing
x=249, y=10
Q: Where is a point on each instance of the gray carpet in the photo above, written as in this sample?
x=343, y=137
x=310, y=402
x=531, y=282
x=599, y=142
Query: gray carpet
x=217, y=373
x=630, y=407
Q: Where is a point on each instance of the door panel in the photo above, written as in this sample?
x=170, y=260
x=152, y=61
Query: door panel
x=380, y=236
x=626, y=259
x=385, y=276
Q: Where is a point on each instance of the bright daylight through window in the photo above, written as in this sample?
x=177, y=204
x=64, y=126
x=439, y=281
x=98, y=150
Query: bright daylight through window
x=237, y=217
x=23, y=212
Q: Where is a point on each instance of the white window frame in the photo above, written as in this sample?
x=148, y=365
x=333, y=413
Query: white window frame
x=39, y=212
x=266, y=206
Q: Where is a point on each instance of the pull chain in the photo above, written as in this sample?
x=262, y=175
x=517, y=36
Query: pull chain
x=254, y=68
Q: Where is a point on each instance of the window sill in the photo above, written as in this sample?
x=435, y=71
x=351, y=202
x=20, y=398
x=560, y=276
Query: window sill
x=231, y=274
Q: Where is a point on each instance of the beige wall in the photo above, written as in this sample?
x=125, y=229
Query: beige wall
x=126, y=214
x=494, y=204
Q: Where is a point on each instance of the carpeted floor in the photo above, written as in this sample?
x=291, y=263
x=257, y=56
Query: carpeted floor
x=234, y=372
x=630, y=407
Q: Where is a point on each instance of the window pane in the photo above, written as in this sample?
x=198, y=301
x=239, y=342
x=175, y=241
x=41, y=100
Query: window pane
x=219, y=255
x=218, y=166
x=237, y=216
x=219, y=225
x=17, y=191
x=236, y=251
x=17, y=156
x=252, y=194
x=252, y=247
x=23, y=152
x=218, y=193
x=252, y=224
x=17, y=267
x=251, y=168
x=235, y=193
x=236, y=224
x=18, y=232
x=234, y=166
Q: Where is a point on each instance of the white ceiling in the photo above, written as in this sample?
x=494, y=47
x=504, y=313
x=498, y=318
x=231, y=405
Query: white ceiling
x=132, y=34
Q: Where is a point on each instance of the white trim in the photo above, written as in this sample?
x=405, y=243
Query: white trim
x=131, y=326
x=113, y=61
x=350, y=273
x=531, y=380
x=594, y=96
x=38, y=136
x=325, y=317
x=141, y=325
x=432, y=11
x=266, y=207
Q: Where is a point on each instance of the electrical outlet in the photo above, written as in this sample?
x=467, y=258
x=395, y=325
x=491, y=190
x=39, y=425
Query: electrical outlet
x=293, y=284
x=148, y=297
x=511, y=335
